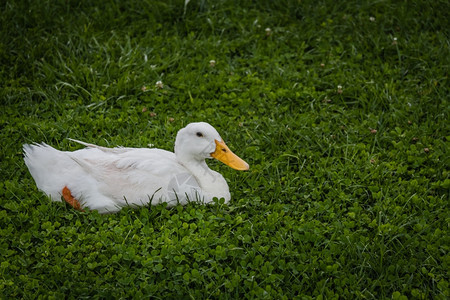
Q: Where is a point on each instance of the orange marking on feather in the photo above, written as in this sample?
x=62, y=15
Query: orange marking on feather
x=67, y=195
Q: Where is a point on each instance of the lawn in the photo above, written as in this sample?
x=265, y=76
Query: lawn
x=340, y=108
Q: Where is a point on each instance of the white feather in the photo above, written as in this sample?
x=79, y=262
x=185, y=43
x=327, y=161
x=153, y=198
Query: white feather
x=107, y=179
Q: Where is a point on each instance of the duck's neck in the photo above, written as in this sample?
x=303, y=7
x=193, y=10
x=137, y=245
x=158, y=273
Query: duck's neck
x=200, y=170
x=212, y=183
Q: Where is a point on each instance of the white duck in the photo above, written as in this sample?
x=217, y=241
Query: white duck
x=107, y=179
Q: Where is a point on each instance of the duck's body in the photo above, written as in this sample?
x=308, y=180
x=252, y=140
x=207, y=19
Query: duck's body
x=107, y=179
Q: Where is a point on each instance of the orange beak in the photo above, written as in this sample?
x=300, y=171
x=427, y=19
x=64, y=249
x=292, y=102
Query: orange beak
x=224, y=154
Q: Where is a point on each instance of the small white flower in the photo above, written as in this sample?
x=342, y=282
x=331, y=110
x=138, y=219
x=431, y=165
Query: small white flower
x=372, y=19
x=159, y=84
x=268, y=31
x=339, y=89
x=212, y=63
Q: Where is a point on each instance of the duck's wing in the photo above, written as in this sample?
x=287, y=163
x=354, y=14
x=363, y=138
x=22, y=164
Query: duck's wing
x=131, y=176
x=104, y=149
x=101, y=162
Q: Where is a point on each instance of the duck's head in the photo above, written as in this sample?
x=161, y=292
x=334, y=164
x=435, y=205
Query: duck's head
x=198, y=141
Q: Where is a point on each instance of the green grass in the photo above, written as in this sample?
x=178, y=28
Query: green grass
x=347, y=193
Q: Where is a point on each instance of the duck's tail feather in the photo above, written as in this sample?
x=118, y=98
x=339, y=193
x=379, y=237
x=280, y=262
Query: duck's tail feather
x=51, y=169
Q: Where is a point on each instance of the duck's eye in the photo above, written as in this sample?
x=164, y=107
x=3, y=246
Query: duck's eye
x=199, y=134
x=224, y=150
